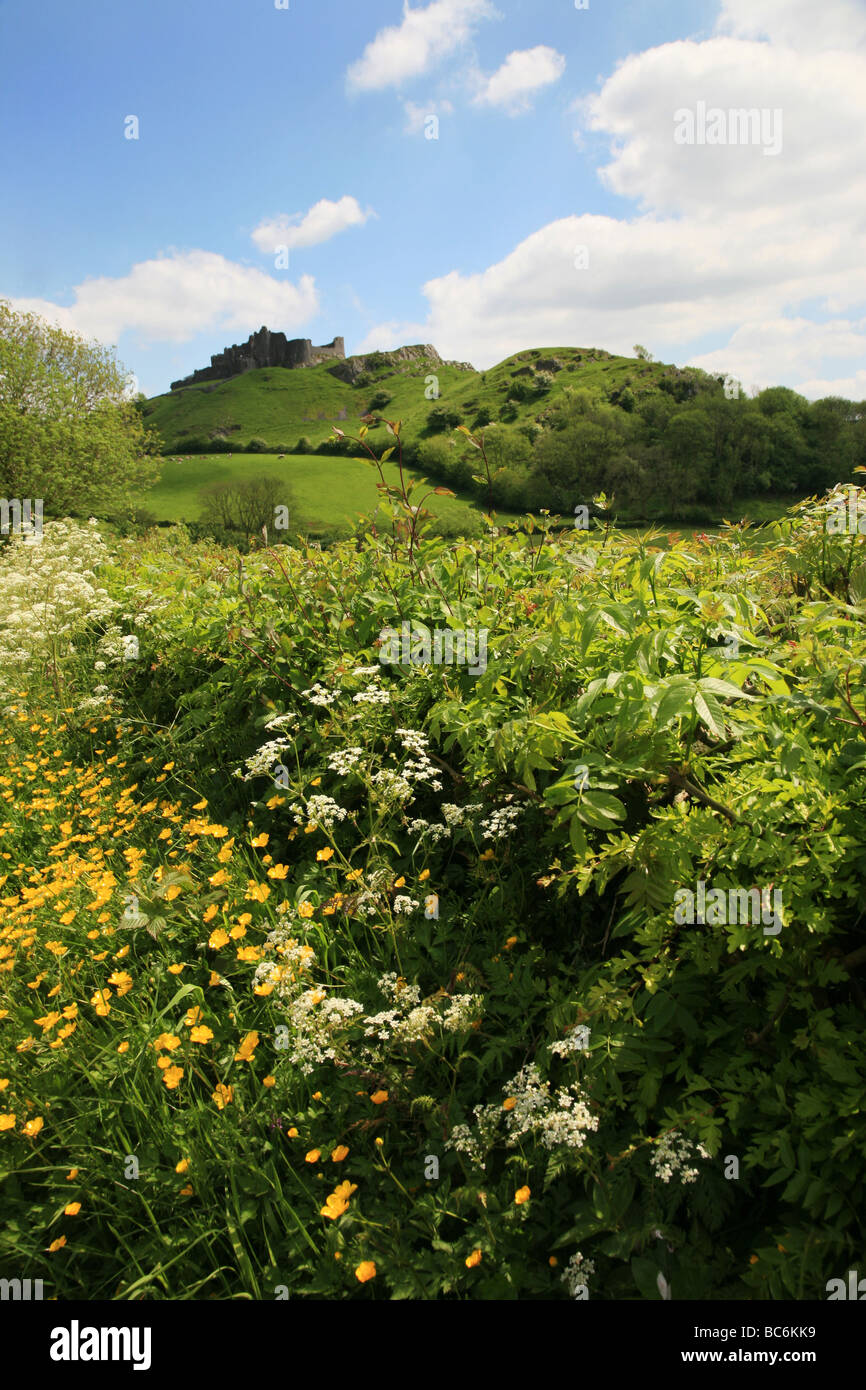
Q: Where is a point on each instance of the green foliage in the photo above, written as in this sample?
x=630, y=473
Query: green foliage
x=69, y=433
x=616, y=748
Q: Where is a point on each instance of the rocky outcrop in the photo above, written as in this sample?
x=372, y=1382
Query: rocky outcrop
x=399, y=359
x=263, y=349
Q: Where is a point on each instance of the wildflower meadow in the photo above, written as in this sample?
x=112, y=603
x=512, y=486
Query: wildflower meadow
x=332, y=976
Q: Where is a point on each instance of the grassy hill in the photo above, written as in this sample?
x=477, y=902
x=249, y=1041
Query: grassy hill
x=282, y=406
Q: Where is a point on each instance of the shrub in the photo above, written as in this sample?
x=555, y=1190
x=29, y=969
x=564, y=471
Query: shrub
x=440, y=418
x=258, y=446
x=244, y=505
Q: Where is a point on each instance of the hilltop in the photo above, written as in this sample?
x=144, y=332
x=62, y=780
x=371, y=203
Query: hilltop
x=282, y=406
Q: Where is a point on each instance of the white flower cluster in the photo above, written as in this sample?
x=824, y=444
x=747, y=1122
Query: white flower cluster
x=49, y=591
x=418, y=767
x=315, y=1020
x=501, y=823
x=671, y=1157
x=429, y=830
x=410, y=1020
x=100, y=698
x=284, y=721
x=405, y=905
x=373, y=695
x=116, y=646
x=367, y=671
x=558, y=1120
x=462, y=1012
x=456, y=815
x=261, y=763
x=577, y=1274
x=318, y=695
x=345, y=760
x=390, y=787
x=322, y=811
x=577, y=1041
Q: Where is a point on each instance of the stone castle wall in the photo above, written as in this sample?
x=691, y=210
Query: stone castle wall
x=263, y=349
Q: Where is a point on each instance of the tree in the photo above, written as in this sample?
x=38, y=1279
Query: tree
x=640, y=351
x=245, y=505
x=70, y=432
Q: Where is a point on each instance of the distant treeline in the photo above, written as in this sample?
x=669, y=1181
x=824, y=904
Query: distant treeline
x=658, y=456
x=680, y=452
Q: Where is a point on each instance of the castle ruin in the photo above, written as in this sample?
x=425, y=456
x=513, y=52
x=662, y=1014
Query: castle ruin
x=263, y=349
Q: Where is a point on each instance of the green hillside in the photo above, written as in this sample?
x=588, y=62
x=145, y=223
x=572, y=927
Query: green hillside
x=282, y=406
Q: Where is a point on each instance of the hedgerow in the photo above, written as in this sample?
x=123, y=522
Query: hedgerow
x=332, y=976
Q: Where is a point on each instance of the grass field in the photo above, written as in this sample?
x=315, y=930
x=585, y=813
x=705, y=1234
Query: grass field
x=324, y=494
x=327, y=495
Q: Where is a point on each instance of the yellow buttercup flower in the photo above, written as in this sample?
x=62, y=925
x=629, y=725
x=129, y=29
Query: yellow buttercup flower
x=510, y=1103
x=218, y=939
x=473, y=1259
x=182, y=1166
x=223, y=1095
x=201, y=1034
x=100, y=1002
x=219, y=878
x=72, y=1175
x=339, y=1153
x=7, y=1121
x=32, y=1127
x=323, y=855
x=166, y=1042
x=72, y=1209
x=123, y=1047
x=210, y=913
x=172, y=1077
x=175, y=969
x=313, y=1156
x=379, y=1097
x=306, y=910
x=57, y=1244
x=247, y=1048
x=522, y=1195
x=122, y=982
x=338, y=1201
x=366, y=1270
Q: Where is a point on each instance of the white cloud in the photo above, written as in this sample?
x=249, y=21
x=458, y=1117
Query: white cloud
x=822, y=100
x=797, y=348
x=175, y=297
x=523, y=73
x=411, y=48
x=728, y=244
x=324, y=220
x=837, y=24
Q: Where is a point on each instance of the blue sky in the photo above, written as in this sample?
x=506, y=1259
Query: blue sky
x=308, y=128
